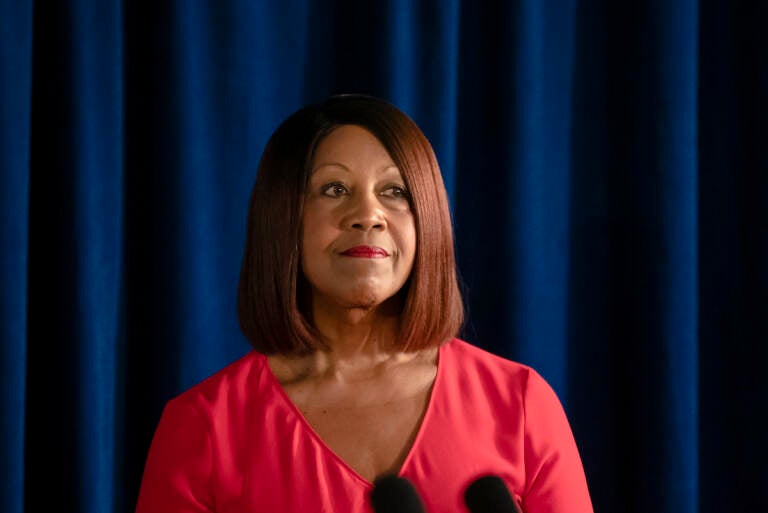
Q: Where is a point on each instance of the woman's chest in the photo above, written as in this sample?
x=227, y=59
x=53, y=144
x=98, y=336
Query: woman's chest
x=311, y=448
x=329, y=459
x=372, y=439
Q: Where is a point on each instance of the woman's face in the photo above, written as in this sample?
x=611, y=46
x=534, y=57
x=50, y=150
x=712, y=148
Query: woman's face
x=358, y=238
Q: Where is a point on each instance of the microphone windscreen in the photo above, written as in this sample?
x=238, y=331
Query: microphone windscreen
x=489, y=494
x=394, y=494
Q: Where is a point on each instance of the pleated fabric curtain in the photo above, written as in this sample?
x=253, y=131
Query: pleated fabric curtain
x=607, y=165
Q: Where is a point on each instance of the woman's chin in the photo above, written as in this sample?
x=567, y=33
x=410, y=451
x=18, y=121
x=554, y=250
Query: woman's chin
x=363, y=300
x=362, y=297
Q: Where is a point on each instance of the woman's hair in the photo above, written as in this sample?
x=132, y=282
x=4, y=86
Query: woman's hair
x=273, y=302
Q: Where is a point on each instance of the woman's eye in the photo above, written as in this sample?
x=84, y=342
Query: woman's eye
x=395, y=191
x=334, y=190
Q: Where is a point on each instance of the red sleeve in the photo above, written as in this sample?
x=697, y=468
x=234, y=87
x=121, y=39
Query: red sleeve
x=555, y=481
x=177, y=474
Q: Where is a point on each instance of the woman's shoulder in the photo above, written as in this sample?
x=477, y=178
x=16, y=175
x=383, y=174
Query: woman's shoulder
x=484, y=371
x=228, y=387
x=471, y=357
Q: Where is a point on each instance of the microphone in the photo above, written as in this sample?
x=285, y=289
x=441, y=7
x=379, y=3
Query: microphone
x=394, y=494
x=489, y=494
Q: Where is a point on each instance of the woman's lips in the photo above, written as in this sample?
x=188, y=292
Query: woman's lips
x=366, y=252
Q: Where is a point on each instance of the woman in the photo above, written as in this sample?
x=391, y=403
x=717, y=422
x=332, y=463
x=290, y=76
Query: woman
x=348, y=294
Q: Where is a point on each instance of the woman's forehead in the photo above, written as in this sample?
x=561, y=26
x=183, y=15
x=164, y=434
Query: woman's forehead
x=351, y=148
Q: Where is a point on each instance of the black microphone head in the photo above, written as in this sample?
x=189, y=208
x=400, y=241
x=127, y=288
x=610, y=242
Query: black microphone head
x=394, y=494
x=489, y=494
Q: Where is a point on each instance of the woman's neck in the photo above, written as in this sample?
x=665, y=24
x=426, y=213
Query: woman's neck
x=359, y=341
x=361, y=344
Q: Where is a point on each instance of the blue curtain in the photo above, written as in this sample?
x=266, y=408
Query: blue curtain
x=607, y=164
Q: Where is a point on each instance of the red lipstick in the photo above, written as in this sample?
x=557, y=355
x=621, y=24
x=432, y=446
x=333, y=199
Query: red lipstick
x=366, y=252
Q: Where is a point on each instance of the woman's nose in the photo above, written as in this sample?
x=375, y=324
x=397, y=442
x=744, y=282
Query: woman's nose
x=366, y=213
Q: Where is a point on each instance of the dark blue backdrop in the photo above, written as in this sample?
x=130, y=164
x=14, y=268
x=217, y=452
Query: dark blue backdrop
x=607, y=165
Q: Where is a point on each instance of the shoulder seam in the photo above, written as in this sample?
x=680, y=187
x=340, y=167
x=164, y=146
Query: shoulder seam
x=525, y=431
x=193, y=404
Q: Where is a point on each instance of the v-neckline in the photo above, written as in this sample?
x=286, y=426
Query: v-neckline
x=333, y=454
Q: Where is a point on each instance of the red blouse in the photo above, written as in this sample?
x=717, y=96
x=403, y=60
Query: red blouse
x=236, y=443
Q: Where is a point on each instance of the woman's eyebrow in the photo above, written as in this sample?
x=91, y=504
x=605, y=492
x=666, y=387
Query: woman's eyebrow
x=382, y=170
x=389, y=167
x=329, y=164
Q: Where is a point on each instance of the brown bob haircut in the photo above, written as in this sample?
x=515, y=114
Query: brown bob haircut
x=273, y=306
